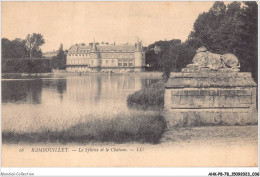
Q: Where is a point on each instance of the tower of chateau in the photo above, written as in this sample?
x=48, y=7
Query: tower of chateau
x=139, y=57
x=94, y=57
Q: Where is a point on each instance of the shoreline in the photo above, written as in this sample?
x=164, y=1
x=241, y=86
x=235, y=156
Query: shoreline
x=32, y=75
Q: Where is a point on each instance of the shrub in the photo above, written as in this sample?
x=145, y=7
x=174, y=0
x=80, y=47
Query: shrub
x=150, y=98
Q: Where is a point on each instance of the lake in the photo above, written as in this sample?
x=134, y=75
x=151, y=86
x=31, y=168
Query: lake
x=50, y=103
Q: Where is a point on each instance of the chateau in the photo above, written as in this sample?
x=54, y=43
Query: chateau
x=105, y=57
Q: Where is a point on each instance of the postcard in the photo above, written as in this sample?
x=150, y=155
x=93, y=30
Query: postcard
x=129, y=84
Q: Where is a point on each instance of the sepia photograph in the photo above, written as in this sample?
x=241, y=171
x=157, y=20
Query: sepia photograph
x=129, y=84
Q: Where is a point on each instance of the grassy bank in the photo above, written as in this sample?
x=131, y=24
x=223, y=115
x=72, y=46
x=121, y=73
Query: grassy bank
x=143, y=127
x=150, y=98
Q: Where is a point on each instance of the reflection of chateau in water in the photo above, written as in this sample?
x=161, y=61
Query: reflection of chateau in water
x=72, y=95
x=101, y=90
x=56, y=84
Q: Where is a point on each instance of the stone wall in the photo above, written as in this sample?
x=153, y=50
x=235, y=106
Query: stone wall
x=211, y=98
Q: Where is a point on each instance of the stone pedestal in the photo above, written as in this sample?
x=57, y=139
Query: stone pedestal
x=210, y=98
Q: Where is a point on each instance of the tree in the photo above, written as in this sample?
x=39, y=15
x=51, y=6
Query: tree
x=151, y=60
x=250, y=36
x=172, y=56
x=61, y=53
x=177, y=57
x=14, y=49
x=6, y=48
x=19, y=48
x=33, y=43
x=229, y=29
x=156, y=60
x=205, y=29
x=59, y=61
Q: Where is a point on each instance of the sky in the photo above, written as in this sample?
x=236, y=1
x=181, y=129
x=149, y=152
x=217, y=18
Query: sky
x=82, y=22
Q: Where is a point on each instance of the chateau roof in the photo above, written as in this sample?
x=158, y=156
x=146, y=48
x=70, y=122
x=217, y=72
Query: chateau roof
x=76, y=49
x=103, y=48
x=117, y=48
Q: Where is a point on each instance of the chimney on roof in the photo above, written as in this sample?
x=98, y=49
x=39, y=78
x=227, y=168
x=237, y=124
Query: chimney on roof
x=94, y=48
x=139, y=46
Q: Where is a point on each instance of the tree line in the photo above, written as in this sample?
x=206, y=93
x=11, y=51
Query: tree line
x=25, y=56
x=23, y=48
x=231, y=28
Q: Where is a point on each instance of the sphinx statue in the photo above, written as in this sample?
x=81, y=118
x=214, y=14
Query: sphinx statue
x=213, y=61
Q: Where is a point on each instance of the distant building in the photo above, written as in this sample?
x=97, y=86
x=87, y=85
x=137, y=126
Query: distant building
x=53, y=53
x=105, y=57
x=50, y=54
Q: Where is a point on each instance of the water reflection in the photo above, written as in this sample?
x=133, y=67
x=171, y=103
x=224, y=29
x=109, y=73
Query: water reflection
x=55, y=85
x=22, y=91
x=96, y=92
x=82, y=93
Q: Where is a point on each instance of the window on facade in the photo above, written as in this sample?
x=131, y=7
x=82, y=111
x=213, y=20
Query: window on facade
x=120, y=56
x=92, y=62
x=112, y=62
x=125, y=63
x=106, y=62
x=119, y=62
x=130, y=63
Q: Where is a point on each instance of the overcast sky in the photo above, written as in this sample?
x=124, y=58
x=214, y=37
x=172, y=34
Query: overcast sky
x=120, y=22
